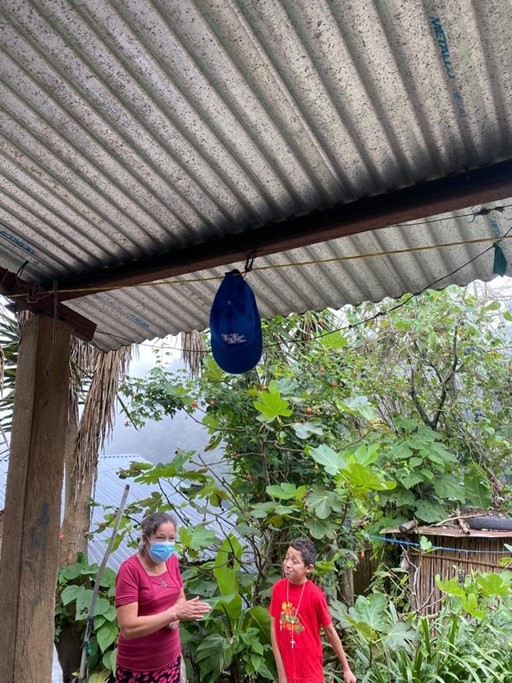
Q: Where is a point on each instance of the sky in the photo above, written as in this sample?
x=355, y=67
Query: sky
x=157, y=441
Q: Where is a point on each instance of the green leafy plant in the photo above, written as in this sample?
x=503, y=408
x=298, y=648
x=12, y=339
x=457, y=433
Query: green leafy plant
x=344, y=429
x=73, y=603
x=469, y=639
x=235, y=637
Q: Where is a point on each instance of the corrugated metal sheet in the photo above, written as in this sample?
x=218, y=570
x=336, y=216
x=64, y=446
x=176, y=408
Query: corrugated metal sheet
x=129, y=128
x=107, y=496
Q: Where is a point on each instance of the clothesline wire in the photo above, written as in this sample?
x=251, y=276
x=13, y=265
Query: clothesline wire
x=375, y=316
x=416, y=544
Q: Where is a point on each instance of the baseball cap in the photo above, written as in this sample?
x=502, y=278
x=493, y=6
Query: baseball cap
x=235, y=325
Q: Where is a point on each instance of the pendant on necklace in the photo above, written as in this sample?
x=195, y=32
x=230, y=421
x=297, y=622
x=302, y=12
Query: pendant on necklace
x=293, y=615
x=163, y=584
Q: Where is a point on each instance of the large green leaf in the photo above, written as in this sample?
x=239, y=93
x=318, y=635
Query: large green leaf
x=211, y=657
x=109, y=659
x=477, y=488
x=401, y=451
x=365, y=454
x=83, y=604
x=285, y=509
x=102, y=606
x=399, y=636
x=107, y=635
x=450, y=586
x=447, y=486
x=362, y=480
x=226, y=578
x=231, y=606
x=71, y=593
x=272, y=405
x=262, y=510
x=404, y=497
x=261, y=617
x=359, y=405
x=324, y=455
x=286, y=491
x=471, y=605
x=322, y=528
x=202, y=537
x=227, y=564
x=492, y=584
x=321, y=502
x=371, y=611
x=333, y=340
x=430, y=511
x=409, y=478
x=303, y=430
x=440, y=450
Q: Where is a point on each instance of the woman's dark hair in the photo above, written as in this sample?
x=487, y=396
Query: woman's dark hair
x=306, y=548
x=152, y=522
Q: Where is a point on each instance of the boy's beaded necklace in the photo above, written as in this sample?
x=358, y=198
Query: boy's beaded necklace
x=295, y=609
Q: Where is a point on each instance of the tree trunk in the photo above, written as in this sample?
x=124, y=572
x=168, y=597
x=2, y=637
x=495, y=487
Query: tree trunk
x=84, y=441
x=73, y=540
x=75, y=525
x=69, y=650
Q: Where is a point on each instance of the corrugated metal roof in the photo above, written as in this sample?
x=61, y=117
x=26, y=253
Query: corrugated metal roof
x=130, y=128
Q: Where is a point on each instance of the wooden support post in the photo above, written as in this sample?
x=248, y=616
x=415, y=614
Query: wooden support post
x=30, y=547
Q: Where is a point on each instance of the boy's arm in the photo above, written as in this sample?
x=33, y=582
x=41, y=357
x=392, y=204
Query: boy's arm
x=281, y=675
x=334, y=639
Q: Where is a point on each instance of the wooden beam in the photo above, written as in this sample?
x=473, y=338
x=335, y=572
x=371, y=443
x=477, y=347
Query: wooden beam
x=479, y=186
x=30, y=544
x=30, y=297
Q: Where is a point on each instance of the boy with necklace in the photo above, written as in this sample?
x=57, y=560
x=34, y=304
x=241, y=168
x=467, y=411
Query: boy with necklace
x=298, y=610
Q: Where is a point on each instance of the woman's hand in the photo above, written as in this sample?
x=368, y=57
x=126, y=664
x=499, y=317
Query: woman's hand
x=190, y=610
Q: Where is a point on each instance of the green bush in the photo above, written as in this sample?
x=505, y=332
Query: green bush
x=470, y=639
x=73, y=602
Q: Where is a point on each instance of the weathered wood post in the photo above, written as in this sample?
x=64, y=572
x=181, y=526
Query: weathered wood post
x=29, y=559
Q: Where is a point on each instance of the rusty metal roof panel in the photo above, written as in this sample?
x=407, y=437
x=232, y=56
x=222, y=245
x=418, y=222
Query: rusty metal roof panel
x=130, y=128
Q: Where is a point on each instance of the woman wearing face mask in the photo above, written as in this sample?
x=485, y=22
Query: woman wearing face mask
x=150, y=603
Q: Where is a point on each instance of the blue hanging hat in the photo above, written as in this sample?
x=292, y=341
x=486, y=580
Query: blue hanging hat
x=235, y=325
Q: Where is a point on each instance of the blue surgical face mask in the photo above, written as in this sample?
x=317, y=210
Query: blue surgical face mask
x=161, y=551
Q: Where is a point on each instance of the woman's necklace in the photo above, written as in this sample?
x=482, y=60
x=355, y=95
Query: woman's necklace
x=295, y=613
x=150, y=569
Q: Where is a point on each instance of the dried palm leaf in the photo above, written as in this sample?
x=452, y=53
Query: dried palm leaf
x=97, y=419
x=82, y=361
x=192, y=351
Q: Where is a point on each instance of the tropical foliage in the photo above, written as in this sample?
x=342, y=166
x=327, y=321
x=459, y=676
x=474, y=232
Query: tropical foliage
x=469, y=639
x=353, y=422
x=347, y=427
x=73, y=606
